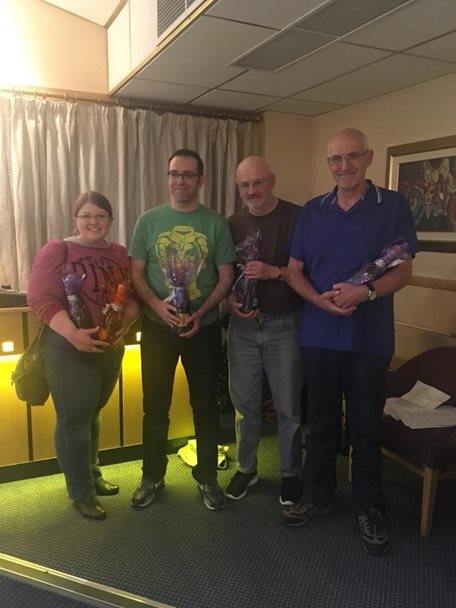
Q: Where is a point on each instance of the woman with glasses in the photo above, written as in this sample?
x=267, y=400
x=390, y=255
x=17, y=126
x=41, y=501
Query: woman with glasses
x=72, y=284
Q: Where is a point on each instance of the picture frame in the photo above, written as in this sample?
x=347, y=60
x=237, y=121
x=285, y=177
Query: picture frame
x=425, y=172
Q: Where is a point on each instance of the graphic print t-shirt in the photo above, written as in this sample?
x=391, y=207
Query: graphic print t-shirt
x=198, y=240
x=101, y=267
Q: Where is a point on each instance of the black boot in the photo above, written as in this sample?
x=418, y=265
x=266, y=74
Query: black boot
x=90, y=507
x=104, y=488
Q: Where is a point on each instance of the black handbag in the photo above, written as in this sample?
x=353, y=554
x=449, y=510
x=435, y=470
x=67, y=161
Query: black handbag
x=28, y=376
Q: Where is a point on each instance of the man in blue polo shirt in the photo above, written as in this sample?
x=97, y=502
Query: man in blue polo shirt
x=347, y=330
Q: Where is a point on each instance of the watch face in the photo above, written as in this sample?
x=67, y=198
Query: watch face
x=372, y=293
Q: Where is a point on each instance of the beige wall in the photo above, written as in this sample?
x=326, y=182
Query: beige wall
x=49, y=48
x=287, y=142
x=424, y=111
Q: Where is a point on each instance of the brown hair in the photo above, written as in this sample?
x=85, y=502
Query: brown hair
x=190, y=154
x=92, y=197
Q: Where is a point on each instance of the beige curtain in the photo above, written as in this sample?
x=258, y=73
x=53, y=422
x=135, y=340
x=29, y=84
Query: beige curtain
x=52, y=151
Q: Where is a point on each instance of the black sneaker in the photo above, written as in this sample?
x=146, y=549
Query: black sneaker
x=239, y=484
x=373, y=534
x=212, y=494
x=302, y=512
x=290, y=492
x=144, y=494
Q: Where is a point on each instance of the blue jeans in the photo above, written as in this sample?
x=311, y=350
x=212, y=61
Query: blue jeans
x=266, y=345
x=80, y=384
x=361, y=379
x=200, y=356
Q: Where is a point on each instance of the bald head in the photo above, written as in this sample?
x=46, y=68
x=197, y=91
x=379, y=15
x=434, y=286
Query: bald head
x=256, y=164
x=255, y=182
x=355, y=135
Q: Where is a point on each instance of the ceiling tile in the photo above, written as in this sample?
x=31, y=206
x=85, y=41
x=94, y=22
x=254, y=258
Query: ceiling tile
x=234, y=101
x=318, y=67
x=392, y=73
x=443, y=48
x=198, y=64
x=201, y=54
x=413, y=24
x=159, y=91
x=343, y=16
x=300, y=106
x=276, y=14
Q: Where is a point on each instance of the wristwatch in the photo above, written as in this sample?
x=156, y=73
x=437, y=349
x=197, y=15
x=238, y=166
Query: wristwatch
x=371, y=293
x=280, y=275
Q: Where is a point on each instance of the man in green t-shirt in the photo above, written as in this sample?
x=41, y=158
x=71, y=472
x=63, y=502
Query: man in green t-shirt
x=181, y=251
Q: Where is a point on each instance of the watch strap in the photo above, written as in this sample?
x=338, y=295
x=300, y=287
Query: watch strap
x=371, y=293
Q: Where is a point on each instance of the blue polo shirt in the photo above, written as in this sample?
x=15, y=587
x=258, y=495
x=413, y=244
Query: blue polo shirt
x=334, y=244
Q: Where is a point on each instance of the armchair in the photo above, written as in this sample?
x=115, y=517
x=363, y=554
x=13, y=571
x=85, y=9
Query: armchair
x=431, y=452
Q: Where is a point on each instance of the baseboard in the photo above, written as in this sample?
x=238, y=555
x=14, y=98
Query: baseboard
x=50, y=466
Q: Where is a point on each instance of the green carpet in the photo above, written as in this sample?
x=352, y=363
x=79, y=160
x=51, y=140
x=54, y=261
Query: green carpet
x=179, y=553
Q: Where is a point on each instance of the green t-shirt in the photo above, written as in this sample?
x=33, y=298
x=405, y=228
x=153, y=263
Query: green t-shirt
x=198, y=240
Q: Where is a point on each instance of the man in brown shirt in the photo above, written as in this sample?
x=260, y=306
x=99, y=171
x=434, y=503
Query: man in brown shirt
x=263, y=342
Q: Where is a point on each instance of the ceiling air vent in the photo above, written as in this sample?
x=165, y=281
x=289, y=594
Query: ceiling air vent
x=282, y=50
x=343, y=16
x=320, y=28
x=168, y=11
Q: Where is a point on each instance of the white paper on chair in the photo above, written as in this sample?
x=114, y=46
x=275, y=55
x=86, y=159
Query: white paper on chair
x=421, y=408
x=425, y=396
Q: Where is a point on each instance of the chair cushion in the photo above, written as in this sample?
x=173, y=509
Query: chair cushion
x=435, y=448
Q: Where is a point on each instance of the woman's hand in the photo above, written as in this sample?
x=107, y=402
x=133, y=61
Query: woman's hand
x=83, y=340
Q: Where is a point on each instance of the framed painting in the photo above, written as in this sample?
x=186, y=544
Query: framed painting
x=425, y=173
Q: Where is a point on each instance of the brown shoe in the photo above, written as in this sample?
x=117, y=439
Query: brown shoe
x=90, y=508
x=104, y=488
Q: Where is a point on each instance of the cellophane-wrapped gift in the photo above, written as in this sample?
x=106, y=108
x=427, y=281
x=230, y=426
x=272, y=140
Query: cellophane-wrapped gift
x=180, y=273
x=77, y=308
x=113, y=311
x=247, y=290
x=390, y=256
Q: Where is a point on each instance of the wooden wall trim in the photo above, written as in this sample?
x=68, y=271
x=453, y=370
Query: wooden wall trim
x=433, y=283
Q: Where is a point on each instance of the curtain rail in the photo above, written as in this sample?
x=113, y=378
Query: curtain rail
x=131, y=104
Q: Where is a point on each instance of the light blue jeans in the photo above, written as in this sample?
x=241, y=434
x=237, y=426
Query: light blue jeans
x=267, y=345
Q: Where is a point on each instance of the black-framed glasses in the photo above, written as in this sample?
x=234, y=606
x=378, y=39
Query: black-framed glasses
x=352, y=157
x=186, y=175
